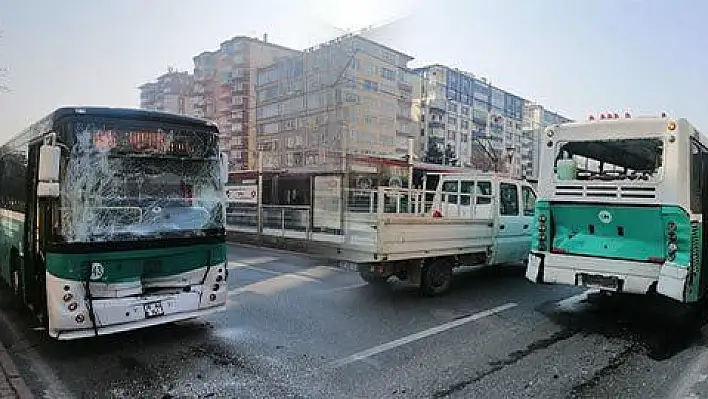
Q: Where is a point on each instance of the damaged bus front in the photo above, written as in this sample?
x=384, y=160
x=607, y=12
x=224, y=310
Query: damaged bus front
x=621, y=207
x=123, y=226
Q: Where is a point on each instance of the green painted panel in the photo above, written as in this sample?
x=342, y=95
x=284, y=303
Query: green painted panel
x=619, y=231
x=127, y=266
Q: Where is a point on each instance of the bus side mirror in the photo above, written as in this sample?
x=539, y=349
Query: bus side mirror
x=224, y=165
x=48, y=171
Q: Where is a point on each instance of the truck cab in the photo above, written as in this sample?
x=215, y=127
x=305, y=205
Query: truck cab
x=508, y=203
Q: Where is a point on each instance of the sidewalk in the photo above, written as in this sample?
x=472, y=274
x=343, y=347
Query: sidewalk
x=12, y=385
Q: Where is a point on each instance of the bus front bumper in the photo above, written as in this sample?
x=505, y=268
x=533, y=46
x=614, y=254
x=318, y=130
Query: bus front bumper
x=72, y=318
x=608, y=274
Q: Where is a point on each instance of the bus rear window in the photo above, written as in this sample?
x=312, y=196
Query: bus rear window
x=623, y=159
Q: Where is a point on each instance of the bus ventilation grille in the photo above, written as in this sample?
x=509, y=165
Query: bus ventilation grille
x=606, y=191
x=695, y=244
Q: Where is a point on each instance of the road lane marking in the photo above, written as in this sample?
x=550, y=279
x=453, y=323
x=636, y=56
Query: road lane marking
x=418, y=336
x=344, y=288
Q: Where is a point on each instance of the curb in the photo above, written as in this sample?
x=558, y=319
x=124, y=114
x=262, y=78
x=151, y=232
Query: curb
x=13, y=375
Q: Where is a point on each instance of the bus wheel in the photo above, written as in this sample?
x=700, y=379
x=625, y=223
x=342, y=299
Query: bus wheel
x=436, y=277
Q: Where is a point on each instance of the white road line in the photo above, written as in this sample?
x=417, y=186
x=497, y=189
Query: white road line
x=417, y=336
x=344, y=288
x=237, y=265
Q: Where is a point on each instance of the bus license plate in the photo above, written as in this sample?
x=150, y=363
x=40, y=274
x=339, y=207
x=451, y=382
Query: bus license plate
x=153, y=309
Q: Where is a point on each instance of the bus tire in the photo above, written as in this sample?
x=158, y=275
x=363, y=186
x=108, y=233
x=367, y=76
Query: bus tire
x=436, y=277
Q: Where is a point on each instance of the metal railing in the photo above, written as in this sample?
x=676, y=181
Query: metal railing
x=364, y=208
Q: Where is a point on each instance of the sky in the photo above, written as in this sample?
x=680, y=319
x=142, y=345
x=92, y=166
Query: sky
x=575, y=57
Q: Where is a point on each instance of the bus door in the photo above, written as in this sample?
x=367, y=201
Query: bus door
x=36, y=228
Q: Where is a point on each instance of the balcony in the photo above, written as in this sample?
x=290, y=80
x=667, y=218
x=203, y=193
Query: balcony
x=406, y=87
x=437, y=104
x=436, y=125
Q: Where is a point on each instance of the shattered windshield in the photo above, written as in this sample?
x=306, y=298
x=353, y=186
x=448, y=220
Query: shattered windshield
x=121, y=185
x=621, y=159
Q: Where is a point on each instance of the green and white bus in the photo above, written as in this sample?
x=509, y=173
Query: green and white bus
x=113, y=220
x=622, y=207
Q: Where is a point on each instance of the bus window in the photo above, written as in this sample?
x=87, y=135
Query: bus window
x=697, y=176
x=509, y=199
x=529, y=199
x=610, y=159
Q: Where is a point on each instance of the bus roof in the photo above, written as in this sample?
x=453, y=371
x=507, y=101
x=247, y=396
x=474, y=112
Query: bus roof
x=46, y=123
x=131, y=113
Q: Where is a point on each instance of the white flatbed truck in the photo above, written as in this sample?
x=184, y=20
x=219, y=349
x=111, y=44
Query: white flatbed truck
x=474, y=220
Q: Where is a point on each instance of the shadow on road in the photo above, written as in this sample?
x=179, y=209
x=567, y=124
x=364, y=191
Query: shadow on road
x=655, y=325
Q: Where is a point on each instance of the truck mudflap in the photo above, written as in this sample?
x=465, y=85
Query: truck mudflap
x=673, y=281
x=534, y=268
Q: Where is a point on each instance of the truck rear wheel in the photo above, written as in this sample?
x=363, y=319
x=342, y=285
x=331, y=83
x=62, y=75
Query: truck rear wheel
x=436, y=277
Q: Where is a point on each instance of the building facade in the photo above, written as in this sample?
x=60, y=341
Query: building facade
x=224, y=92
x=481, y=126
x=536, y=119
x=350, y=96
x=171, y=92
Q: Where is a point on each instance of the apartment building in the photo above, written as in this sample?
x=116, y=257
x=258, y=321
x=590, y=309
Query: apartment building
x=536, y=119
x=170, y=92
x=224, y=92
x=482, y=124
x=348, y=96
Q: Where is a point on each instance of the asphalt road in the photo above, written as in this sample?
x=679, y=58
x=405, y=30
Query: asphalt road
x=298, y=328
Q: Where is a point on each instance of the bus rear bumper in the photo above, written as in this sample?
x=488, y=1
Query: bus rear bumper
x=608, y=274
x=70, y=315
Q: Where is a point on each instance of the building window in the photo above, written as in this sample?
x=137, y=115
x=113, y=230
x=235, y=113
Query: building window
x=452, y=108
x=370, y=85
x=452, y=121
x=465, y=110
x=465, y=124
x=388, y=74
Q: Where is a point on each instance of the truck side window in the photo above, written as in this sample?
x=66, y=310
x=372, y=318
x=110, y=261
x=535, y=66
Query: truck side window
x=509, y=199
x=449, y=188
x=484, y=188
x=529, y=201
x=466, y=191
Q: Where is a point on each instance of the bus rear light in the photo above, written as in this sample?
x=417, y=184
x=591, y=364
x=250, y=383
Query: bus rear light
x=215, y=287
x=79, y=318
x=68, y=296
x=212, y=297
x=558, y=251
x=656, y=260
x=73, y=306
